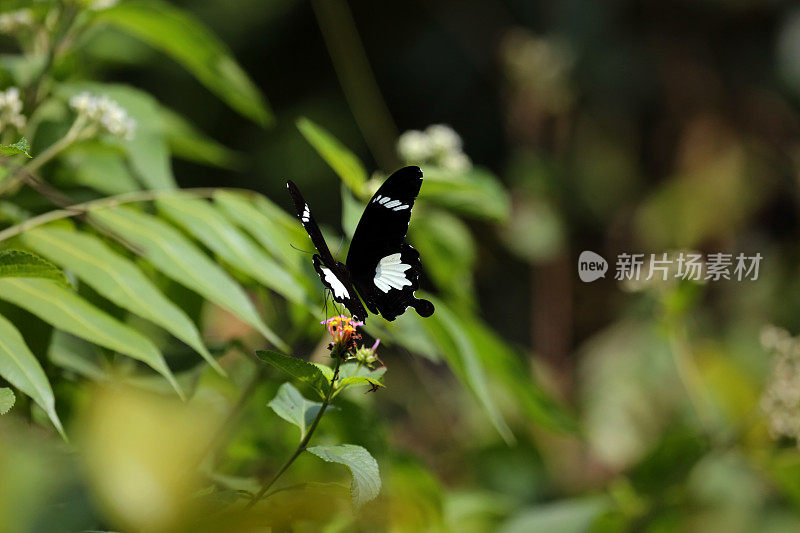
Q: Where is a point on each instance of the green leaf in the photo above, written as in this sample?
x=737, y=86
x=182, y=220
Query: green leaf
x=118, y=279
x=19, y=367
x=352, y=381
x=272, y=228
x=210, y=227
x=346, y=165
x=448, y=247
x=513, y=375
x=175, y=256
x=65, y=310
x=187, y=142
x=455, y=344
x=366, y=476
x=290, y=405
x=7, y=400
x=297, y=368
x=147, y=151
x=190, y=43
x=19, y=147
x=19, y=264
x=77, y=355
x=97, y=166
x=476, y=193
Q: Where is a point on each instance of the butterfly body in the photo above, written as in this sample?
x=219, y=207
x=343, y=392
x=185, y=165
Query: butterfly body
x=380, y=267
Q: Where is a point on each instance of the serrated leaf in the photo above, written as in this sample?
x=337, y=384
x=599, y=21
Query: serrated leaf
x=290, y=405
x=176, y=257
x=65, y=310
x=346, y=165
x=351, y=369
x=185, y=39
x=189, y=143
x=20, y=367
x=19, y=264
x=352, y=381
x=210, y=227
x=19, y=147
x=455, y=344
x=297, y=368
x=366, y=475
x=7, y=400
x=147, y=151
x=118, y=279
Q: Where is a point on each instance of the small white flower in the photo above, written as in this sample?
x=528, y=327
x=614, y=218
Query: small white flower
x=105, y=112
x=414, y=146
x=443, y=139
x=81, y=102
x=456, y=162
x=11, y=109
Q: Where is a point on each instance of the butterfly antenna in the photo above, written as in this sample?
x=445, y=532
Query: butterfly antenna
x=301, y=250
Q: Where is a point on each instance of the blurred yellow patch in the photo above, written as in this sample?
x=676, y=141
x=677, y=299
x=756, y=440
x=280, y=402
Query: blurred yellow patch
x=142, y=452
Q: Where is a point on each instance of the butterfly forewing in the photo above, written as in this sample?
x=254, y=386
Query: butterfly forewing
x=332, y=273
x=383, y=267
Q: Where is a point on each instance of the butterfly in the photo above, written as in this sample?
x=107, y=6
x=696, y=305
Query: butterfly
x=381, y=267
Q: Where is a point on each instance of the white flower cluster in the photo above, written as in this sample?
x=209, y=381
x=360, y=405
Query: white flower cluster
x=104, y=112
x=16, y=20
x=11, y=109
x=438, y=145
x=780, y=400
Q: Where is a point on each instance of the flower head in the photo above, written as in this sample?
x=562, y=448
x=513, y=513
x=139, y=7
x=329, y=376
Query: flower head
x=343, y=330
x=438, y=145
x=11, y=109
x=105, y=113
x=367, y=356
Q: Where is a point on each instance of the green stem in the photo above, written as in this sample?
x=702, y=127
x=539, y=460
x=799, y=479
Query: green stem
x=303, y=443
x=109, y=202
x=53, y=150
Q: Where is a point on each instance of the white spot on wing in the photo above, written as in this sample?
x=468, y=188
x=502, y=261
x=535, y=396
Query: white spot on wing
x=384, y=200
x=393, y=203
x=390, y=273
x=338, y=288
x=400, y=207
x=306, y=214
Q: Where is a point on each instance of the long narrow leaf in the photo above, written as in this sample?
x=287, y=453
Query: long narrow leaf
x=19, y=367
x=455, y=343
x=346, y=165
x=190, y=43
x=175, y=256
x=118, y=279
x=65, y=310
x=210, y=227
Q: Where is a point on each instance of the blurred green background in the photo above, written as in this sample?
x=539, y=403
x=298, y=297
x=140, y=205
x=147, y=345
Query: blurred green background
x=614, y=127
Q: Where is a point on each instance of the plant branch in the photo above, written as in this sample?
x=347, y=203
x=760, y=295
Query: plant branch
x=303, y=443
x=110, y=202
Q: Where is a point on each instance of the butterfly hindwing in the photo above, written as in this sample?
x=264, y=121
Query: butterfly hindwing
x=332, y=273
x=383, y=267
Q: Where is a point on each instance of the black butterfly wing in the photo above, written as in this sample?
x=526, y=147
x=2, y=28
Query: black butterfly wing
x=384, y=268
x=332, y=273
